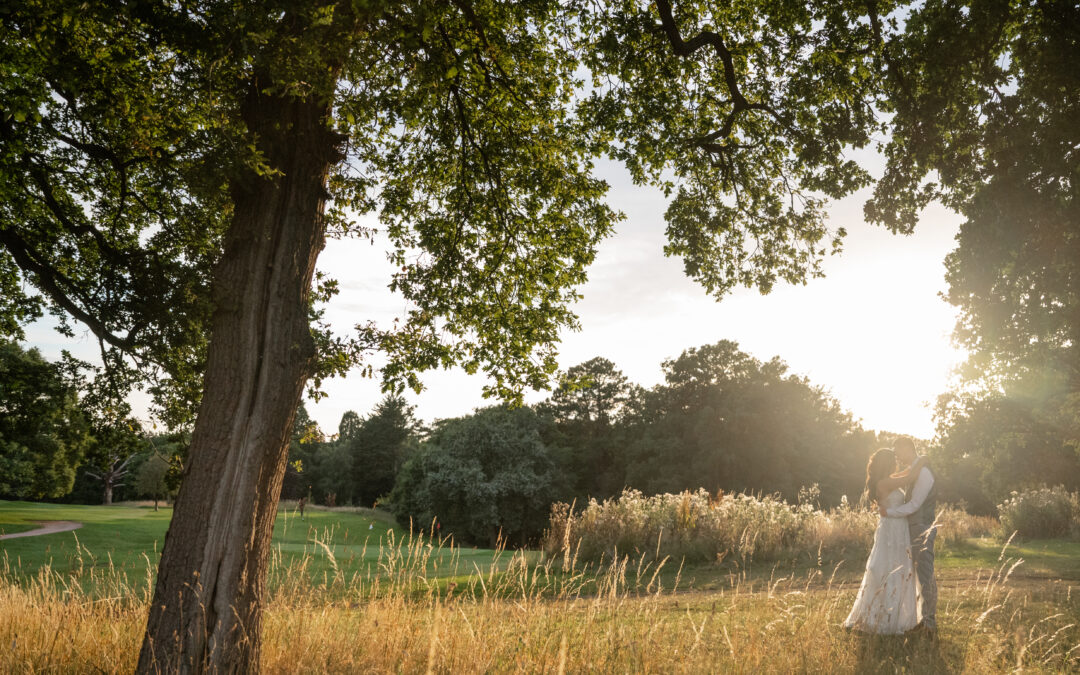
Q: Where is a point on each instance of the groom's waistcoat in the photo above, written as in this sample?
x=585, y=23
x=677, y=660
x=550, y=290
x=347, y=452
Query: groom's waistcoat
x=924, y=517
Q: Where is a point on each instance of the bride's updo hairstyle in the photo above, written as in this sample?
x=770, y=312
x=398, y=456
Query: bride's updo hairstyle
x=881, y=465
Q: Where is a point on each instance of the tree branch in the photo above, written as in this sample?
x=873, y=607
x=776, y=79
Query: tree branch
x=704, y=38
x=51, y=282
x=48, y=197
x=739, y=103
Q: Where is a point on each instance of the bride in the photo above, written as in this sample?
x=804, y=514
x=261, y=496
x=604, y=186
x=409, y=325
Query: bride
x=887, y=602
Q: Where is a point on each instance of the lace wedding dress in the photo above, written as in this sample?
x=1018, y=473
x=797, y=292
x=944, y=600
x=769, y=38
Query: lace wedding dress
x=888, y=598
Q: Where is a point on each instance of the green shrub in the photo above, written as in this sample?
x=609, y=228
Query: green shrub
x=482, y=478
x=1043, y=513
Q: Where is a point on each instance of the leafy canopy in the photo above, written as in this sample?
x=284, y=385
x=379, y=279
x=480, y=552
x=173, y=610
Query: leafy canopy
x=744, y=110
x=986, y=118
x=471, y=128
x=985, y=100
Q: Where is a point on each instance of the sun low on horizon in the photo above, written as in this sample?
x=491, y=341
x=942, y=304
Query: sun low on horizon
x=873, y=332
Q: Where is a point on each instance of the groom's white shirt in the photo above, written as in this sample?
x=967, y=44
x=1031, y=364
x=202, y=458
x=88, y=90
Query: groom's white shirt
x=923, y=483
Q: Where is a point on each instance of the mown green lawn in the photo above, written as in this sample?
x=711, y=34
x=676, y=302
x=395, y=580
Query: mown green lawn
x=1049, y=558
x=129, y=538
x=12, y=528
x=118, y=532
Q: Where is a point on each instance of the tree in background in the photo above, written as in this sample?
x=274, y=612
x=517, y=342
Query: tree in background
x=151, y=479
x=725, y=420
x=115, y=443
x=331, y=474
x=299, y=480
x=112, y=473
x=482, y=476
x=43, y=430
x=380, y=447
x=349, y=426
x=992, y=444
x=585, y=410
x=172, y=446
x=360, y=464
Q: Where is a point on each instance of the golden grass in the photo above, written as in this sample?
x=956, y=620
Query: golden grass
x=533, y=618
x=956, y=525
x=700, y=527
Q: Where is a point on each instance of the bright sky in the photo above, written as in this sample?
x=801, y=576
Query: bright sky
x=874, y=331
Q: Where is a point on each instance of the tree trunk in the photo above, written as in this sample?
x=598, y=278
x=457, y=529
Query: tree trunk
x=108, y=495
x=207, y=606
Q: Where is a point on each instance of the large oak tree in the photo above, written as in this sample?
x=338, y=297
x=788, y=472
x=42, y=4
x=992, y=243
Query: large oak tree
x=169, y=170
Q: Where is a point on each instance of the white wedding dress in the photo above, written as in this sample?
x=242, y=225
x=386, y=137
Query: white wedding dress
x=888, y=600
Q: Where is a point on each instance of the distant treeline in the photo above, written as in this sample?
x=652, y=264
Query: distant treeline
x=721, y=420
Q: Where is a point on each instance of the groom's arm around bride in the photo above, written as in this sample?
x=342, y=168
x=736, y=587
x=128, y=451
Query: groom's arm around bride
x=916, y=496
x=920, y=510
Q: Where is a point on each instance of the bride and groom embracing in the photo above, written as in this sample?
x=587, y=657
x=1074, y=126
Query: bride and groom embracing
x=898, y=592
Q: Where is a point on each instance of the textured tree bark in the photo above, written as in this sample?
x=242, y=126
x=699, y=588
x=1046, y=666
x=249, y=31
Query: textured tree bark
x=207, y=605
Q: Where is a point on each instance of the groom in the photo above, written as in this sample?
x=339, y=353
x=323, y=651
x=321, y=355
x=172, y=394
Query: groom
x=919, y=509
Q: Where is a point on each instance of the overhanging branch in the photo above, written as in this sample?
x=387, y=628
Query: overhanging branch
x=739, y=103
x=52, y=283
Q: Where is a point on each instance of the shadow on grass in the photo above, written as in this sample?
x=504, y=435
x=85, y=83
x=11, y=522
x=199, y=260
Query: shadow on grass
x=914, y=653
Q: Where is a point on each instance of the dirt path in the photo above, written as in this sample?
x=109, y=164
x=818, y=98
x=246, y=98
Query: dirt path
x=47, y=527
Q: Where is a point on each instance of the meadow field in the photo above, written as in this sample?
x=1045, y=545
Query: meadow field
x=352, y=592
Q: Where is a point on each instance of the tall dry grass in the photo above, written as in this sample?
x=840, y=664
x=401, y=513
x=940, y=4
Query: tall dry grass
x=699, y=527
x=955, y=525
x=629, y=615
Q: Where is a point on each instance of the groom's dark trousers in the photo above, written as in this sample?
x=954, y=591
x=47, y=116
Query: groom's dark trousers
x=922, y=553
